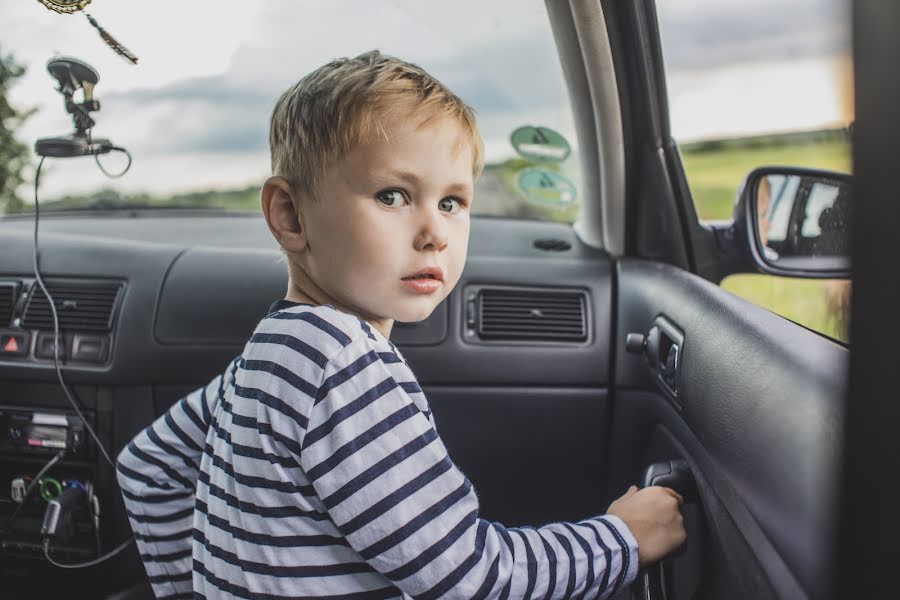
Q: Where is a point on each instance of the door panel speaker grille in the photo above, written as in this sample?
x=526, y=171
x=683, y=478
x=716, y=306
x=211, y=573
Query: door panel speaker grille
x=532, y=315
x=81, y=306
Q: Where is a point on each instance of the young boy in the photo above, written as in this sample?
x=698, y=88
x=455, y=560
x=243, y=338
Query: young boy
x=311, y=467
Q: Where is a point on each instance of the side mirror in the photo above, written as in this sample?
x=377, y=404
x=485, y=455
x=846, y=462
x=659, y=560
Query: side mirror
x=797, y=221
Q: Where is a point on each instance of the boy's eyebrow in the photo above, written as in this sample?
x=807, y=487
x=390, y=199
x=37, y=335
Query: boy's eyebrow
x=413, y=179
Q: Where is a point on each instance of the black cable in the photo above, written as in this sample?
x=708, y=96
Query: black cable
x=62, y=382
x=56, y=337
x=89, y=563
x=107, y=173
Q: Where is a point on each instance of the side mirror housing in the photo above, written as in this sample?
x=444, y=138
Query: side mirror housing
x=796, y=222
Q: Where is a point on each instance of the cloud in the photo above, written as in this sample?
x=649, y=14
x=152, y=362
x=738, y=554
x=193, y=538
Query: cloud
x=707, y=35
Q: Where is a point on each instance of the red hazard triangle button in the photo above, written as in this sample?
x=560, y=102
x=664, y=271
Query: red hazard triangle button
x=14, y=344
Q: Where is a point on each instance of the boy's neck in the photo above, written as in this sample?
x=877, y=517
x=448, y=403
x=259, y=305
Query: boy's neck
x=309, y=293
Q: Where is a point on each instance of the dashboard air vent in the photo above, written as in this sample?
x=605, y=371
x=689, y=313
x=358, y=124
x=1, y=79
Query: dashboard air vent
x=8, y=291
x=507, y=314
x=81, y=306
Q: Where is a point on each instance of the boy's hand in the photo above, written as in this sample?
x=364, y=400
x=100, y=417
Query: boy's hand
x=653, y=516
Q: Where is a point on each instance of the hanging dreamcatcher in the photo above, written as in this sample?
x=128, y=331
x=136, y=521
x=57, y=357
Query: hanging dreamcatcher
x=68, y=7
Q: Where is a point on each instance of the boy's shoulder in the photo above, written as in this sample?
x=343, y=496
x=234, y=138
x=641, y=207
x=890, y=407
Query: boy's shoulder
x=323, y=328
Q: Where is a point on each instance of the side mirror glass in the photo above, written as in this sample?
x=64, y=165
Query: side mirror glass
x=798, y=221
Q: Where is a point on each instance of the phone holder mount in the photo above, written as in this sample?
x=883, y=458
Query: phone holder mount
x=72, y=75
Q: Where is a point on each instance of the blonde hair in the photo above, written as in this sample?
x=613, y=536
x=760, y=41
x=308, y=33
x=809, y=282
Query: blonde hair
x=339, y=105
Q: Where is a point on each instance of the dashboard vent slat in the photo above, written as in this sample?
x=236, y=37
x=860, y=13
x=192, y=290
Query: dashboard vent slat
x=506, y=314
x=7, y=302
x=81, y=306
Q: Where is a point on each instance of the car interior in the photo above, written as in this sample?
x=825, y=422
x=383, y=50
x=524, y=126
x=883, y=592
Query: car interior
x=568, y=363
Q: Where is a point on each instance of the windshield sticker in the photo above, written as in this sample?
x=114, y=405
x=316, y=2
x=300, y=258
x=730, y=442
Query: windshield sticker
x=540, y=143
x=545, y=187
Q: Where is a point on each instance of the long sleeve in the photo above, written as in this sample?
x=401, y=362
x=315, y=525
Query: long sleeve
x=157, y=474
x=385, y=478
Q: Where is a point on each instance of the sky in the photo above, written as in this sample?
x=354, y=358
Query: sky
x=194, y=111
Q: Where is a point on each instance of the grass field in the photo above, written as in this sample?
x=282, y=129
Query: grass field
x=715, y=172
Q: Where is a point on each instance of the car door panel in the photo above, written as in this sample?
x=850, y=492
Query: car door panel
x=761, y=418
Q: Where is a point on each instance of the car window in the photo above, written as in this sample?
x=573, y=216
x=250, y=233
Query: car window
x=763, y=83
x=195, y=116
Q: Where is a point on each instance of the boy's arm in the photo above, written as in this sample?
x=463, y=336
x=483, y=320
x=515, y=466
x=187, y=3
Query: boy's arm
x=157, y=473
x=385, y=477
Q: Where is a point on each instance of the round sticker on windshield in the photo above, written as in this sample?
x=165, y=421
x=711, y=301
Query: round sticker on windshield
x=540, y=143
x=546, y=187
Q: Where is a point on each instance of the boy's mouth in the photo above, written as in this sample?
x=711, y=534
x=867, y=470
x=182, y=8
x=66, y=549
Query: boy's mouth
x=428, y=273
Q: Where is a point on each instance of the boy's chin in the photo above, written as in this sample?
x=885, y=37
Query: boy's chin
x=414, y=314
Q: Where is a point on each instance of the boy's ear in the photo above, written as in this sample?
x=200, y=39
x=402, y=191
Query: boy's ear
x=282, y=216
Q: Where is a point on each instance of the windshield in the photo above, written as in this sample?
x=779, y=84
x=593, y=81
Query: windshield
x=194, y=111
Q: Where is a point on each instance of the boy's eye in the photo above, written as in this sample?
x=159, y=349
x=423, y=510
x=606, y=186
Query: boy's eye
x=450, y=205
x=392, y=198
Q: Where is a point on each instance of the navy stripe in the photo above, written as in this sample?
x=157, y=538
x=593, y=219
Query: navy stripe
x=530, y=562
x=282, y=373
x=290, y=510
x=317, y=321
x=367, y=329
x=253, y=451
x=261, y=427
x=361, y=441
x=607, y=558
x=348, y=411
x=626, y=558
x=551, y=563
x=172, y=537
x=511, y=549
x=413, y=525
x=169, y=578
x=180, y=434
x=187, y=512
x=490, y=581
x=170, y=557
x=589, y=581
x=299, y=571
x=411, y=387
x=204, y=406
x=172, y=473
x=293, y=343
x=254, y=481
x=346, y=373
x=263, y=539
x=381, y=467
x=242, y=592
x=165, y=446
x=192, y=415
x=570, y=553
x=455, y=576
x=395, y=497
x=436, y=549
x=389, y=357
x=272, y=402
x=134, y=475
x=158, y=498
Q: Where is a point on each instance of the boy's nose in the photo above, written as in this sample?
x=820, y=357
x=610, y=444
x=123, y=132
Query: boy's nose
x=432, y=231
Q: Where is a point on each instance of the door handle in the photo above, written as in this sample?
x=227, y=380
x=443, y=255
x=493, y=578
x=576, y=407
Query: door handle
x=653, y=582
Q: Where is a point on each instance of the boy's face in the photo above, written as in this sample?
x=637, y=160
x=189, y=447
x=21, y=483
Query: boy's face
x=386, y=211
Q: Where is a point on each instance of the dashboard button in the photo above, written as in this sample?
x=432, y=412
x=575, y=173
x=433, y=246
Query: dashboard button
x=44, y=346
x=92, y=348
x=14, y=343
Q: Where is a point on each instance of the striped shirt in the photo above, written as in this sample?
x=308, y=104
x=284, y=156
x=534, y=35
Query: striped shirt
x=311, y=468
